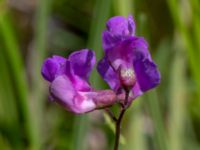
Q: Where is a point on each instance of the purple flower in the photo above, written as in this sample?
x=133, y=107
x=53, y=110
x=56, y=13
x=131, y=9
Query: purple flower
x=69, y=84
x=127, y=64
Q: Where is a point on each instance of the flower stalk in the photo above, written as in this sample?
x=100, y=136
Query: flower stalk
x=119, y=121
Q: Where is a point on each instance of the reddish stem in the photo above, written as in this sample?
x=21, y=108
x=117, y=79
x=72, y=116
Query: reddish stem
x=119, y=120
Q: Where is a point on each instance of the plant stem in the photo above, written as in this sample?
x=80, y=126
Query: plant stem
x=110, y=113
x=118, y=128
x=119, y=120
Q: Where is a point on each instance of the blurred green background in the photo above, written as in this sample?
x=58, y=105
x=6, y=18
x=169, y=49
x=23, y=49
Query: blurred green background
x=167, y=118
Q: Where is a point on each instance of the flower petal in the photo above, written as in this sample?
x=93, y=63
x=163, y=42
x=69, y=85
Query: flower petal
x=59, y=59
x=131, y=25
x=120, y=25
x=147, y=74
x=79, y=83
x=109, y=40
x=124, y=53
x=64, y=93
x=135, y=91
x=83, y=103
x=118, y=29
x=82, y=62
x=108, y=74
x=53, y=67
x=140, y=49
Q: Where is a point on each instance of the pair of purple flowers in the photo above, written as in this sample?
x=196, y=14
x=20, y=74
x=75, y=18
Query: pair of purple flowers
x=126, y=66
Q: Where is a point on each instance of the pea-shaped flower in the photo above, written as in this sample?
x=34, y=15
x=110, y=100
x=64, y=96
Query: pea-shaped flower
x=127, y=64
x=69, y=84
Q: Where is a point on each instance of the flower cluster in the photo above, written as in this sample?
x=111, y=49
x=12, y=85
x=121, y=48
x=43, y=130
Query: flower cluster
x=69, y=82
x=126, y=66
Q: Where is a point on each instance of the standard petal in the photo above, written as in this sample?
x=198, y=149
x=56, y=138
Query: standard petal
x=49, y=69
x=59, y=59
x=109, y=40
x=120, y=25
x=118, y=29
x=120, y=54
x=69, y=71
x=82, y=62
x=108, y=74
x=131, y=25
x=79, y=83
x=52, y=67
x=124, y=53
x=147, y=74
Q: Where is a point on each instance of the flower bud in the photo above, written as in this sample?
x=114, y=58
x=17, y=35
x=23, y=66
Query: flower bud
x=127, y=77
x=103, y=98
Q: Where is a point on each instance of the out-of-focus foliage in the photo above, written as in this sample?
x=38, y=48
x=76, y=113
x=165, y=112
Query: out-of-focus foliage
x=167, y=118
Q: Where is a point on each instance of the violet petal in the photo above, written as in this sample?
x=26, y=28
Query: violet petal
x=53, y=67
x=109, y=40
x=65, y=94
x=118, y=29
x=135, y=91
x=120, y=25
x=131, y=25
x=82, y=62
x=147, y=74
x=63, y=91
x=108, y=74
x=79, y=83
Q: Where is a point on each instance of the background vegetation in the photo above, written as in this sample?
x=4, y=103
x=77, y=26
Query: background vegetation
x=167, y=118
